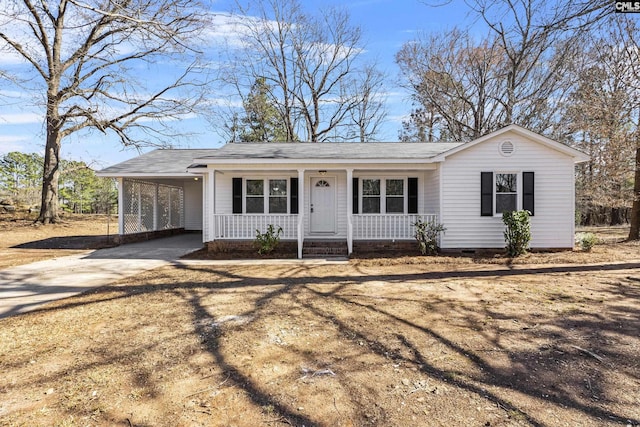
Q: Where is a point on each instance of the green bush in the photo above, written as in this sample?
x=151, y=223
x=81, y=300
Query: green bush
x=517, y=234
x=427, y=234
x=586, y=241
x=268, y=241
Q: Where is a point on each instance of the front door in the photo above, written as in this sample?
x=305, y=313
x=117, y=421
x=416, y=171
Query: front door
x=323, y=205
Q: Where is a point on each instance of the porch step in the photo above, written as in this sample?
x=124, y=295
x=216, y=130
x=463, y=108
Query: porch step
x=324, y=248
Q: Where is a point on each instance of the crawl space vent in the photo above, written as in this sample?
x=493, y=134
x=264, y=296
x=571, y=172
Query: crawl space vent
x=507, y=148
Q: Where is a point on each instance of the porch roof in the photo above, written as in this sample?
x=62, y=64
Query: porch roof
x=379, y=152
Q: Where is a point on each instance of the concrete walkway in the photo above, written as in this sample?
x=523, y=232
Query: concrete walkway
x=27, y=287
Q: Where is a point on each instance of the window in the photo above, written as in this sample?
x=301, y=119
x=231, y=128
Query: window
x=506, y=192
x=255, y=196
x=278, y=196
x=390, y=195
x=258, y=200
x=395, y=196
x=370, y=196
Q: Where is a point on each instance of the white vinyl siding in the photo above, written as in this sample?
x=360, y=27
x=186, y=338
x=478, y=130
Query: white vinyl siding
x=193, y=205
x=429, y=192
x=552, y=225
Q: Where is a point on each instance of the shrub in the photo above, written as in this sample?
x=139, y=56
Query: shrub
x=427, y=234
x=268, y=241
x=517, y=234
x=586, y=241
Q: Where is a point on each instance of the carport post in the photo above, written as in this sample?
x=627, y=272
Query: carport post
x=155, y=207
x=120, y=205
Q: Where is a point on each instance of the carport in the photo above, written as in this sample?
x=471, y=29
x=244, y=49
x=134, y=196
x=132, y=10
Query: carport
x=156, y=194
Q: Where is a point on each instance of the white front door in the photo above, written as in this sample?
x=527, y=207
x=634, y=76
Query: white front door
x=323, y=205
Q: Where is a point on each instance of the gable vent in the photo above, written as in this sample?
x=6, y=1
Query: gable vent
x=507, y=148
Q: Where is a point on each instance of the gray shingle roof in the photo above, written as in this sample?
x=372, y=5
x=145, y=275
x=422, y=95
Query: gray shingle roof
x=163, y=161
x=332, y=151
x=176, y=161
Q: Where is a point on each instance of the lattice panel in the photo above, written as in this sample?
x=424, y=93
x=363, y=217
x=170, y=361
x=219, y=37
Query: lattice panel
x=176, y=207
x=148, y=206
x=164, y=193
x=131, y=206
x=147, y=197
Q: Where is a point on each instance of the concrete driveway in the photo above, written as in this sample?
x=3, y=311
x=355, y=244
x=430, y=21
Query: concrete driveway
x=27, y=287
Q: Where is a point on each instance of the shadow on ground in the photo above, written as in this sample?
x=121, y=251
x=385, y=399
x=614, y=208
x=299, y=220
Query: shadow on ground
x=540, y=356
x=70, y=242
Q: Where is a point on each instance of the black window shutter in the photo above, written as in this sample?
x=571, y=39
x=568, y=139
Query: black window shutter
x=528, y=200
x=355, y=195
x=486, y=193
x=412, y=201
x=293, y=196
x=237, y=195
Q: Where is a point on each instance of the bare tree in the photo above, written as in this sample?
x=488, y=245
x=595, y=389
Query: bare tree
x=536, y=41
x=457, y=79
x=82, y=54
x=630, y=32
x=310, y=63
x=602, y=119
x=368, y=113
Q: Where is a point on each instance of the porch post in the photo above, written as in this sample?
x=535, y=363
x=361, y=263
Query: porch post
x=301, y=211
x=120, y=206
x=211, y=200
x=349, y=211
x=205, y=210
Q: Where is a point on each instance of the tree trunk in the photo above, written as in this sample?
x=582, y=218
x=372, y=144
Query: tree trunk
x=51, y=174
x=634, y=232
x=616, y=216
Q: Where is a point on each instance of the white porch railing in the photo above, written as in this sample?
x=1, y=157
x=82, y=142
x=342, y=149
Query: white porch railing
x=243, y=227
x=387, y=226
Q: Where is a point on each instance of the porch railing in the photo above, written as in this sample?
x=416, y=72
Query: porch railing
x=243, y=227
x=387, y=226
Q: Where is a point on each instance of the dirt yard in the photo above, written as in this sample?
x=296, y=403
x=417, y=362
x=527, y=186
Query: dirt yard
x=23, y=242
x=422, y=341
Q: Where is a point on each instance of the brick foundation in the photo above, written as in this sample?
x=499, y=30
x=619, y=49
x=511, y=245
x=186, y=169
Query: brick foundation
x=286, y=248
x=146, y=235
x=247, y=247
x=386, y=247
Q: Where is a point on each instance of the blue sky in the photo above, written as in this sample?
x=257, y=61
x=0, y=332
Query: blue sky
x=386, y=25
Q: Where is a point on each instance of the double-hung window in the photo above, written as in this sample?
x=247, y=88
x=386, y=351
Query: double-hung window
x=264, y=196
x=394, y=196
x=278, y=196
x=371, y=196
x=506, y=192
x=383, y=195
x=255, y=196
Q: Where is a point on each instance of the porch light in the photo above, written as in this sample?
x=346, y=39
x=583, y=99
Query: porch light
x=322, y=172
x=195, y=179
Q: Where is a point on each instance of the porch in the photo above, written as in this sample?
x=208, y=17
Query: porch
x=361, y=227
x=372, y=202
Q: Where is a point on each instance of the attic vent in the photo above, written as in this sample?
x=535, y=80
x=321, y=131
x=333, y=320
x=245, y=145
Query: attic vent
x=507, y=148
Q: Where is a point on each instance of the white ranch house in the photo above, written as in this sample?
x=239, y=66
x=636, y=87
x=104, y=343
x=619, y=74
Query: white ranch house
x=355, y=192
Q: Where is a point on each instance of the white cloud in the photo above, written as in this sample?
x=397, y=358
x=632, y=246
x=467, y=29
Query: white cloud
x=21, y=118
x=9, y=143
